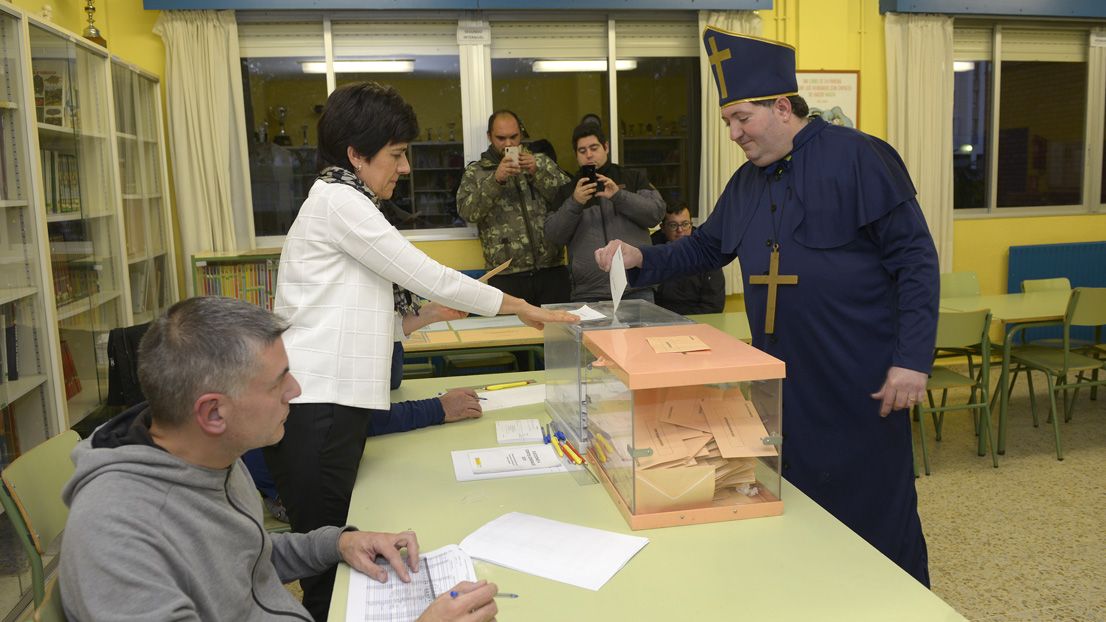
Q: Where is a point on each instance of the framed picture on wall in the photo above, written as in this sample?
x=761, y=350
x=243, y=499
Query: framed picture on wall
x=832, y=95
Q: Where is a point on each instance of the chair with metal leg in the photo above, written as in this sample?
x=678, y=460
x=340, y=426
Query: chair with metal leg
x=960, y=329
x=31, y=495
x=1086, y=307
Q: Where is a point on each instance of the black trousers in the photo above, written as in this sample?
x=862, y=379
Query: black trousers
x=537, y=287
x=315, y=467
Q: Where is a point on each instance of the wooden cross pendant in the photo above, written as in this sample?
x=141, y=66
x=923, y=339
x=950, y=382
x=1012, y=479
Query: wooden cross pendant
x=773, y=279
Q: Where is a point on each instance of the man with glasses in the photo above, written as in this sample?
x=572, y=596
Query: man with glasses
x=703, y=292
x=603, y=202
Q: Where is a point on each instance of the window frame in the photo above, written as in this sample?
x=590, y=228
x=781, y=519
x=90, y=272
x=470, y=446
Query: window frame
x=1024, y=35
x=680, y=38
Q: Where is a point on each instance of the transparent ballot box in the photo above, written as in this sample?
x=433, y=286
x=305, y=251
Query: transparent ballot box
x=683, y=423
x=566, y=358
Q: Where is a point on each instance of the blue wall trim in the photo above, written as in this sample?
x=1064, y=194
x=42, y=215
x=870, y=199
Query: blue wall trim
x=1012, y=8
x=602, y=5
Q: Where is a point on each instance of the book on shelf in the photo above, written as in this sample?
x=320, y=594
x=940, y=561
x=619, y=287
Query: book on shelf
x=51, y=85
x=69, y=371
x=9, y=436
x=61, y=182
x=11, y=348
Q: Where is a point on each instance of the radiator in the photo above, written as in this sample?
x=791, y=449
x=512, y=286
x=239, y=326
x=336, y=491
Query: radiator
x=1084, y=263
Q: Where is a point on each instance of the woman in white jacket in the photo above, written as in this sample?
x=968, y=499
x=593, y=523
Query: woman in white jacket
x=345, y=283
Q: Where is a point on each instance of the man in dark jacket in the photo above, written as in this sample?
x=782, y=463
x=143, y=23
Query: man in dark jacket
x=617, y=204
x=704, y=292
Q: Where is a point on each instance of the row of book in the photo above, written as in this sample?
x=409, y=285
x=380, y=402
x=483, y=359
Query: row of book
x=61, y=182
x=74, y=283
x=253, y=282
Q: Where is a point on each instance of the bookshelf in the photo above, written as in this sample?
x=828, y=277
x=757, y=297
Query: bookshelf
x=71, y=85
x=29, y=365
x=143, y=176
x=249, y=276
x=427, y=198
x=665, y=160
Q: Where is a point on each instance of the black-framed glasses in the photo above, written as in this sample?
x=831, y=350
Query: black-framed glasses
x=678, y=226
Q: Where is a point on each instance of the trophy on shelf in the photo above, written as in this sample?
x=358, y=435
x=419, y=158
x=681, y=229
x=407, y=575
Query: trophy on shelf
x=303, y=128
x=91, y=32
x=282, y=139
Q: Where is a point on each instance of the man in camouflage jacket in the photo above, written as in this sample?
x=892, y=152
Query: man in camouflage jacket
x=508, y=199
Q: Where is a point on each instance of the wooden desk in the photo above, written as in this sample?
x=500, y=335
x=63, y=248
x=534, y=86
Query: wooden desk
x=1010, y=309
x=440, y=343
x=804, y=565
x=735, y=323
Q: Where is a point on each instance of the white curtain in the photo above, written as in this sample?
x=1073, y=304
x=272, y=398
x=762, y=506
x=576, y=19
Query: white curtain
x=207, y=135
x=919, y=114
x=719, y=156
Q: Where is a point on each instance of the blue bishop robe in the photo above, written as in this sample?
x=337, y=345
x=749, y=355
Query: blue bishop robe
x=843, y=210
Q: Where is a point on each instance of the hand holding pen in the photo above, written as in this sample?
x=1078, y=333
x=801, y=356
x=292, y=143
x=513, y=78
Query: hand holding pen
x=460, y=404
x=466, y=602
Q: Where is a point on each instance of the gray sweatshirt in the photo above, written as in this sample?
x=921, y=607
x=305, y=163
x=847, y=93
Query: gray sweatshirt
x=152, y=537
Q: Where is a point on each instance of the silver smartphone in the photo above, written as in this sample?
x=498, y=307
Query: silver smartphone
x=511, y=152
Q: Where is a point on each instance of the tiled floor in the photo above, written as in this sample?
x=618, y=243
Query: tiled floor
x=1026, y=541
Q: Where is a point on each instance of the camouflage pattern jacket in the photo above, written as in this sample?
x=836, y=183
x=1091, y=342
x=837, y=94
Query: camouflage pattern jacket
x=511, y=216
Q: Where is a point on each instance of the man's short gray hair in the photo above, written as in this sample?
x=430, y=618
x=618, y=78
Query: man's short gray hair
x=202, y=345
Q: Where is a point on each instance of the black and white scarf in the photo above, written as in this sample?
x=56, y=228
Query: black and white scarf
x=406, y=303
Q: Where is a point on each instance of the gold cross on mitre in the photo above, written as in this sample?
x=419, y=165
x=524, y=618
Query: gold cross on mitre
x=716, y=57
x=773, y=280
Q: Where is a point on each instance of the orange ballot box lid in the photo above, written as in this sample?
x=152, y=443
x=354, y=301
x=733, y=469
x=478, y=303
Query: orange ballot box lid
x=678, y=355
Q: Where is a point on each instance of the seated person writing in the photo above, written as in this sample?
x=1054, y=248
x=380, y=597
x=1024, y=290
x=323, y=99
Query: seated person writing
x=164, y=522
x=704, y=292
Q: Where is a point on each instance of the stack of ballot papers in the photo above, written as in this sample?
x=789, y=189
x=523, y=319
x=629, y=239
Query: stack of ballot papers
x=396, y=601
x=701, y=445
x=583, y=556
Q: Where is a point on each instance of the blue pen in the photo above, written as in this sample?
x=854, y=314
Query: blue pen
x=545, y=434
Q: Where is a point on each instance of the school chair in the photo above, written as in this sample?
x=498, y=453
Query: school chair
x=959, y=284
x=31, y=496
x=51, y=609
x=1086, y=307
x=960, y=329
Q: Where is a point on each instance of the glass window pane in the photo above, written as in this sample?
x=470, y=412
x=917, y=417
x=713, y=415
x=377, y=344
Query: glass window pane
x=1040, y=142
x=659, y=125
x=550, y=103
x=282, y=109
x=427, y=198
x=971, y=119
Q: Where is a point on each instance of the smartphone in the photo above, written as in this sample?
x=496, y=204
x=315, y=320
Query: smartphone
x=588, y=170
x=511, y=152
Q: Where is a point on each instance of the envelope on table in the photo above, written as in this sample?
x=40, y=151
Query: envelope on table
x=674, y=489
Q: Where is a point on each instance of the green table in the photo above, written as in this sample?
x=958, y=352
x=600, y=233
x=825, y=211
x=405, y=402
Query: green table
x=804, y=565
x=1017, y=312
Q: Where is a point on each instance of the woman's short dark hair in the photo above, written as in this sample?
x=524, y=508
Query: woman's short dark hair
x=366, y=116
x=799, y=107
x=587, y=129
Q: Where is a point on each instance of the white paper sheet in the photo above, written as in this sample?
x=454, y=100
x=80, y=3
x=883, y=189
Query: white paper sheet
x=572, y=554
x=396, y=601
x=586, y=313
x=618, y=277
x=499, y=321
x=463, y=462
x=518, y=431
x=509, y=398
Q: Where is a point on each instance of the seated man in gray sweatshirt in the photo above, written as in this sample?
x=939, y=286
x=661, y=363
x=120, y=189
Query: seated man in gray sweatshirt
x=164, y=522
x=603, y=202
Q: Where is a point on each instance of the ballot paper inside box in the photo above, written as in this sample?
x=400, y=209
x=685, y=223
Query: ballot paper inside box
x=566, y=360
x=684, y=424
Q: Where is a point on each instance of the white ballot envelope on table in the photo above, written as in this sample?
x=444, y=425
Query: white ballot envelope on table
x=680, y=488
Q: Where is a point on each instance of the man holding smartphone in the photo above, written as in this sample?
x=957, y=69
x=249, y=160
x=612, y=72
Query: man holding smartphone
x=507, y=194
x=603, y=202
